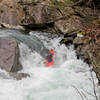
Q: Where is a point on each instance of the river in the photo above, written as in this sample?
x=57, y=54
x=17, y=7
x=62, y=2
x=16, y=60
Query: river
x=69, y=79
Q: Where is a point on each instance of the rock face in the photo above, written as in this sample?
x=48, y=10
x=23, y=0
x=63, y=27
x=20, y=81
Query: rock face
x=73, y=24
x=15, y=13
x=10, y=12
x=36, y=13
x=44, y=16
x=88, y=47
x=9, y=55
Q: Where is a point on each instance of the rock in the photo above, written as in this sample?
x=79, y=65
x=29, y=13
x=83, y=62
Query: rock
x=88, y=48
x=94, y=57
x=86, y=12
x=73, y=24
x=33, y=1
x=67, y=11
x=81, y=52
x=75, y=19
x=45, y=15
x=78, y=41
x=12, y=26
x=37, y=13
x=14, y=13
x=67, y=40
x=18, y=76
x=60, y=0
x=26, y=1
x=11, y=13
x=0, y=26
x=10, y=75
x=9, y=55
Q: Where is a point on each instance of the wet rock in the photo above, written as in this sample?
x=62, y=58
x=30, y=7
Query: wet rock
x=82, y=54
x=18, y=76
x=73, y=24
x=0, y=26
x=9, y=55
x=67, y=40
x=10, y=75
x=78, y=41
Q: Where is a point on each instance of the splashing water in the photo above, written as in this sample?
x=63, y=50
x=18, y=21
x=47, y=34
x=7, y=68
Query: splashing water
x=68, y=79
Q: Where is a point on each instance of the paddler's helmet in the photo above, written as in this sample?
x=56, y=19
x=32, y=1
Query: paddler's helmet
x=52, y=51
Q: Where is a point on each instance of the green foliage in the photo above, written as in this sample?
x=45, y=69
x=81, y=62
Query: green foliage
x=81, y=33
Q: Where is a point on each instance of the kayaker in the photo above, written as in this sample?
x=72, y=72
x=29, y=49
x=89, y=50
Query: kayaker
x=50, y=58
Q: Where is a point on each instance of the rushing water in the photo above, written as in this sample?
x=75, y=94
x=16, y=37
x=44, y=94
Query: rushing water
x=69, y=79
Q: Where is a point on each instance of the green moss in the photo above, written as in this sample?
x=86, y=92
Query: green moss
x=80, y=33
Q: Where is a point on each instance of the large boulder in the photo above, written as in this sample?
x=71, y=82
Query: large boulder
x=40, y=15
x=9, y=55
x=69, y=25
x=24, y=12
x=76, y=19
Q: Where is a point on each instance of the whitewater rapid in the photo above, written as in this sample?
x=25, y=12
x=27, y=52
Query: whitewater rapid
x=69, y=78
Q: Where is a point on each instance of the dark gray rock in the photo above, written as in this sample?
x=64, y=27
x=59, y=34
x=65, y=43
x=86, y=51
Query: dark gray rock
x=11, y=75
x=78, y=41
x=18, y=76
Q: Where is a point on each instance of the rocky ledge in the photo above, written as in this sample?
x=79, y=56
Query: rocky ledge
x=9, y=57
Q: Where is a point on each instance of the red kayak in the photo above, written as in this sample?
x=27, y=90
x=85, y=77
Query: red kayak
x=50, y=59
